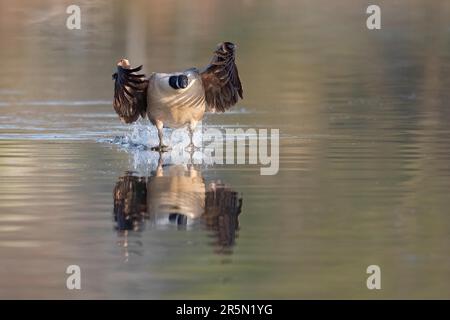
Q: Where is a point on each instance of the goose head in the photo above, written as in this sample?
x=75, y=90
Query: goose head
x=179, y=82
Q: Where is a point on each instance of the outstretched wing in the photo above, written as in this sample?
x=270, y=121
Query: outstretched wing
x=130, y=93
x=221, y=79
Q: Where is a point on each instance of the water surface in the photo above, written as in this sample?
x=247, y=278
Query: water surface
x=364, y=153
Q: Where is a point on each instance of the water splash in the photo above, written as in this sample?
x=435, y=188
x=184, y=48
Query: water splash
x=142, y=136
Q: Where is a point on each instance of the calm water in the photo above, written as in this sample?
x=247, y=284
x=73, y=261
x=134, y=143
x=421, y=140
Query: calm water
x=364, y=153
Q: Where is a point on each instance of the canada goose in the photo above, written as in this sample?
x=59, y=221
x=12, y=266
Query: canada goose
x=180, y=98
x=174, y=195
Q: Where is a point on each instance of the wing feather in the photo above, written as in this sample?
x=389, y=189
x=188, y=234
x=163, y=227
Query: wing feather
x=220, y=79
x=130, y=93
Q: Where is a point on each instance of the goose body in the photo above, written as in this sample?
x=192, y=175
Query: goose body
x=175, y=108
x=181, y=98
x=176, y=195
x=178, y=192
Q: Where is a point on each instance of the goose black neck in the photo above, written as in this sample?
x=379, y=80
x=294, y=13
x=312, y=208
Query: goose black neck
x=178, y=82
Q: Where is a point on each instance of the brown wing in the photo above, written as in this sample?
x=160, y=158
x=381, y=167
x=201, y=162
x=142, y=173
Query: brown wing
x=130, y=202
x=221, y=79
x=222, y=209
x=130, y=93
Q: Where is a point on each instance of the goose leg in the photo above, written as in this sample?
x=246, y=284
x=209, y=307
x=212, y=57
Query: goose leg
x=191, y=146
x=161, y=147
x=159, y=169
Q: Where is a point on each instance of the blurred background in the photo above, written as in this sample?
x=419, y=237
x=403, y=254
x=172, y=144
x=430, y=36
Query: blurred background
x=364, y=152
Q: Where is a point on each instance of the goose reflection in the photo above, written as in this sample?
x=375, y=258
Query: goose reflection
x=177, y=196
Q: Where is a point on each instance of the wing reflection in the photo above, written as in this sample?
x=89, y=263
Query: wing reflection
x=177, y=197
